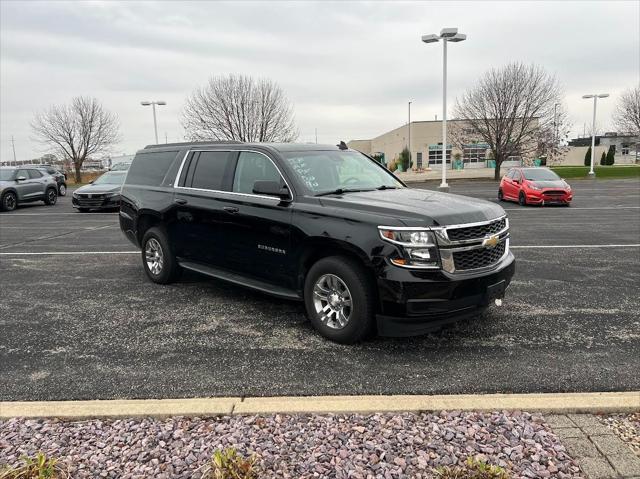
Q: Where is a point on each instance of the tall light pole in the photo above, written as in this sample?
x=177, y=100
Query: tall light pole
x=446, y=35
x=593, y=127
x=409, y=134
x=155, y=123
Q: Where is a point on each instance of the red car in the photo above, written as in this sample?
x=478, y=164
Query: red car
x=534, y=186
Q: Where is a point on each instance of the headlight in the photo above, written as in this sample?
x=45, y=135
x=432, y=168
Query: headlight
x=533, y=186
x=417, y=247
x=567, y=186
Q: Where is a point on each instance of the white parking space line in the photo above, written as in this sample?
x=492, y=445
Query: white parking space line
x=54, y=253
x=577, y=246
x=572, y=208
x=79, y=215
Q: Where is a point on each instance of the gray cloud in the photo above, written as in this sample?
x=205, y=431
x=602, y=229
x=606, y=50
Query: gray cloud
x=348, y=67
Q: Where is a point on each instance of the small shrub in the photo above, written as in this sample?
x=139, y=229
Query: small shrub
x=603, y=159
x=393, y=166
x=587, y=157
x=472, y=469
x=405, y=159
x=229, y=464
x=611, y=155
x=38, y=467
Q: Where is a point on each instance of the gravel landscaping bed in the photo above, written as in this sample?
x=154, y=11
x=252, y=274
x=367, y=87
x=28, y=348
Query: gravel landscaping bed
x=295, y=446
x=627, y=427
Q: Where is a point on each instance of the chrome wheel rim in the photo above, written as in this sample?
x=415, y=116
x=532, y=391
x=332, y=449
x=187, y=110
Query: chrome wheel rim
x=63, y=190
x=332, y=301
x=9, y=202
x=52, y=196
x=154, y=256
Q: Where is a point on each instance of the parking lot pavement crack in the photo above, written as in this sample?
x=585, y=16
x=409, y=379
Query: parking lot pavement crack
x=68, y=233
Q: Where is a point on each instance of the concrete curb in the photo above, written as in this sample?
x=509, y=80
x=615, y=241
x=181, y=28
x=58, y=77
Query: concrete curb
x=560, y=403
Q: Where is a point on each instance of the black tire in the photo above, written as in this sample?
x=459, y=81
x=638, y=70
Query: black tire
x=500, y=195
x=9, y=201
x=169, y=270
x=83, y=210
x=353, y=275
x=62, y=190
x=522, y=199
x=51, y=196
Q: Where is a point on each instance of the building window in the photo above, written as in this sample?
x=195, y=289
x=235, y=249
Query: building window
x=435, y=154
x=419, y=160
x=625, y=149
x=474, y=152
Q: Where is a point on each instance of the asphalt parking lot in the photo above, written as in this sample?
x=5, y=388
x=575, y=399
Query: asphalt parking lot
x=79, y=319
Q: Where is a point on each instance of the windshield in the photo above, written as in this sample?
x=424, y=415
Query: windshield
x=326, y=171
x=541, y=174
x=6, y=175
x=110, y=179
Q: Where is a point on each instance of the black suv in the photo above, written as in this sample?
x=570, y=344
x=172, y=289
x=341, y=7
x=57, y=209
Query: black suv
x=321, y=224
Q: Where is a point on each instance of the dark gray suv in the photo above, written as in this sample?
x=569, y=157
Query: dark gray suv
x=22, y=185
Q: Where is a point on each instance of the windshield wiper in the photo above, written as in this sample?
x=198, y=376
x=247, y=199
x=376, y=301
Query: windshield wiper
x=340, y=191
x=385, y=187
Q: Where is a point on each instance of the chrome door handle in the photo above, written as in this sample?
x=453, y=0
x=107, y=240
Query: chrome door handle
x=180, y=201
x=231, y=209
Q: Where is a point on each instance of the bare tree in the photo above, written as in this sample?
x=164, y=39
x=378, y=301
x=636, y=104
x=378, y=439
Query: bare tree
x=627, y=114
x=237, y=107
x=78, y=131
x=512, y=110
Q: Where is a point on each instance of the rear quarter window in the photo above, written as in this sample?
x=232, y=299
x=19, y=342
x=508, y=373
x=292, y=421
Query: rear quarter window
x=150, y=169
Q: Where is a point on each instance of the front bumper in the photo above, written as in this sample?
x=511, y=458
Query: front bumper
x=544, y=197
x=96, y=203
x=416, y=302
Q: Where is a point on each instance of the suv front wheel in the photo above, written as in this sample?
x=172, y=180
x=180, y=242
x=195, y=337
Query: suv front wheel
x=158, y=260
x=339, y=299
x=51, y=196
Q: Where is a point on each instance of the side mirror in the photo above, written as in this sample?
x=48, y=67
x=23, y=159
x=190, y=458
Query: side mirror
x=271, y=188
x=21, y=178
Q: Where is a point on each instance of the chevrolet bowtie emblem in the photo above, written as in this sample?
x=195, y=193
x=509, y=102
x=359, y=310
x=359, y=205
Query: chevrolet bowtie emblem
x=491, y=241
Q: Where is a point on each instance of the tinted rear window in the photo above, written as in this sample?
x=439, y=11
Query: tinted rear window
x=210, y=169
x=150, y=168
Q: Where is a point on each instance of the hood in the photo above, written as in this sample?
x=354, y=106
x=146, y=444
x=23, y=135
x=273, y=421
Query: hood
x=98, y=189
x=550, y=184
x=415, y=207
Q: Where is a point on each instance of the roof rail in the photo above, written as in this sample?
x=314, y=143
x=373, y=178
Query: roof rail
x=194, y=143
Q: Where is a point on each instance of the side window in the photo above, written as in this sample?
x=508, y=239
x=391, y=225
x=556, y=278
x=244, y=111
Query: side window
x=34, y=174
x=209, y=171
x=150, y=168
x=517, y=176
x=23, y=173
x=51, y=171
x=510, y=174
x=253, y=167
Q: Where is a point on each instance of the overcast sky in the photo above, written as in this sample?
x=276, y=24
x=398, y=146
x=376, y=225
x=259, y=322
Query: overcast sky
x=348, y=68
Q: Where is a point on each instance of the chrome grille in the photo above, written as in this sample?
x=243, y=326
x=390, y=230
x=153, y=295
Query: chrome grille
x=476, y=232
x=478, y=258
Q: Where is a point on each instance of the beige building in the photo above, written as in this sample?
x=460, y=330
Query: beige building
x=426, y=146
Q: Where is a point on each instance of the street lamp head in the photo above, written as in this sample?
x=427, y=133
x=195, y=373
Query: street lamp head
x=448, y=32
x=161, y=103
x=587, y=96
x=603, y=95
x=430, y=38
x=458, y=37
x=145, y=103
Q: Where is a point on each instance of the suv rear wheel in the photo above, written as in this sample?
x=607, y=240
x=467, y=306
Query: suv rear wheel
x=158, y=260
x=62, y=189
x=50, y=197
x=339, y=299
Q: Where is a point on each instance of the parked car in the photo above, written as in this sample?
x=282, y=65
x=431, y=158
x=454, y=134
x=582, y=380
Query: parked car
x=22, y=185
x=61, y=179
x=534, y=186
x=327, y=226
x=101, y=194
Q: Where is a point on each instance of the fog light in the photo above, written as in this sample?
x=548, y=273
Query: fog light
x=420, y=254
